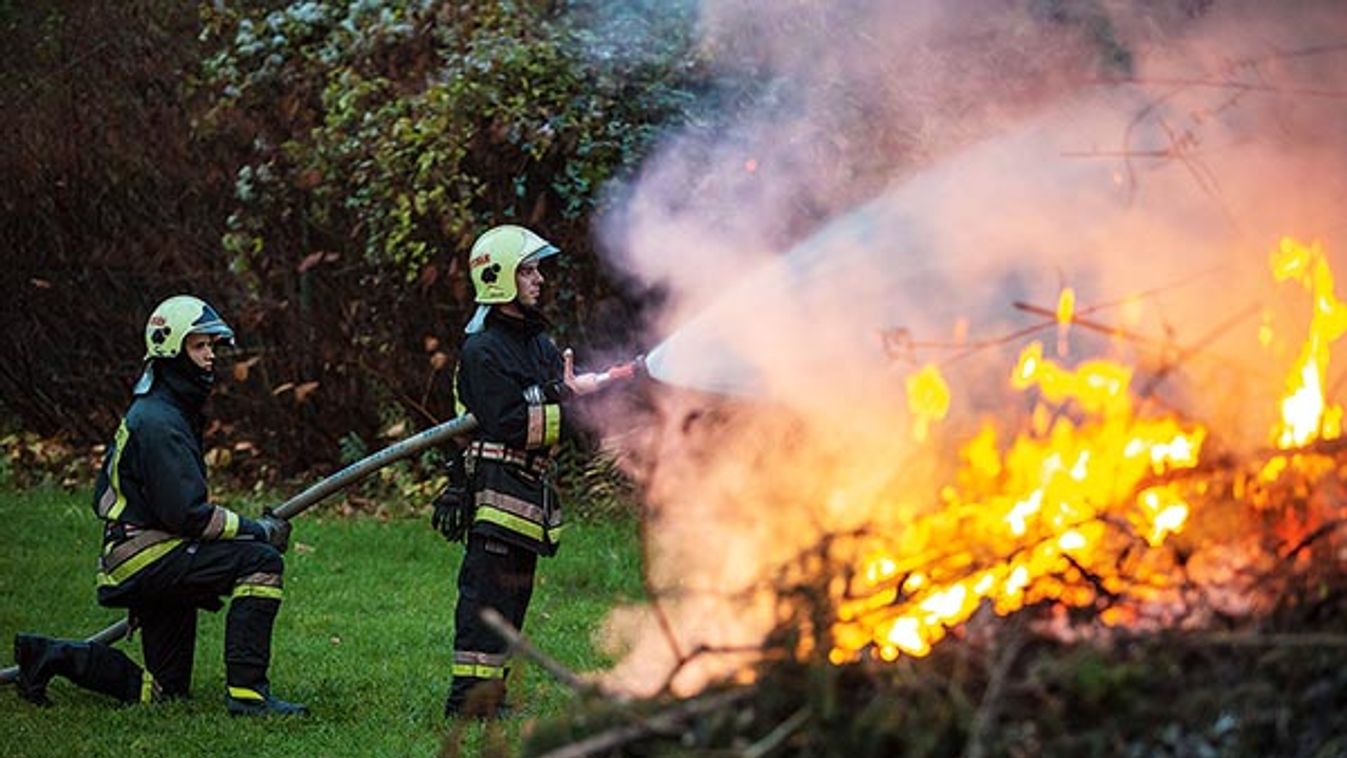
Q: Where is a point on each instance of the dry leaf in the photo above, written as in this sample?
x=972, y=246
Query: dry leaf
x=428, y=276
x=282, y=388
x=439, y=360
x=431, y=342
x=311, y=260
x=244, y=446
x=396, y=430
x=241, y=368
x=304, y=390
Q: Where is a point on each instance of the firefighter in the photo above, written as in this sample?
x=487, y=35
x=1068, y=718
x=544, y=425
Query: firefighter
x=167, y=550
x=513, y=379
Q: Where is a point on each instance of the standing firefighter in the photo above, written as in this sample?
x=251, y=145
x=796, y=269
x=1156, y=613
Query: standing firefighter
x=167, y=551
x=501, y=501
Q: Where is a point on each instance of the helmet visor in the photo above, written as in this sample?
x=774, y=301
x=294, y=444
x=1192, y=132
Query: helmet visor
x=218, y=329
x=546, y=251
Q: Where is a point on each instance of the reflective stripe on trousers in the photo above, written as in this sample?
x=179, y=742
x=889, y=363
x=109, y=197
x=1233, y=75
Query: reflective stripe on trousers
x=480, y=665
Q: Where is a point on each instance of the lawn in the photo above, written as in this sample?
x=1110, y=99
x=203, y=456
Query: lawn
x=363, y=639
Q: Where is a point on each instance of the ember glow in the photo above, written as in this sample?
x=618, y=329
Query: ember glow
x=1076, y=504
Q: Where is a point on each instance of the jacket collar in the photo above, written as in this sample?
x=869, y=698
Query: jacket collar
x=532, y=322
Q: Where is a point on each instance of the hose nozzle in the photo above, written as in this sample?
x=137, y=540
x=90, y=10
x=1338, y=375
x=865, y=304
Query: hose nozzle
x=630, y=370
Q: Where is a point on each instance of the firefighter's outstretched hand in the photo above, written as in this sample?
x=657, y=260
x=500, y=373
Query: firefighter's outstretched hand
x=277, y=530
x=581, y=384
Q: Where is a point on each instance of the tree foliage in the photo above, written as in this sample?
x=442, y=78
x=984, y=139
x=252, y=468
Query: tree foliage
x=108, y=202
x=316, y=170
x=406, y=127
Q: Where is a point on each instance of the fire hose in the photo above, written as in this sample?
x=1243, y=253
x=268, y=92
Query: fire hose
x=320, y=490
x=359, y=470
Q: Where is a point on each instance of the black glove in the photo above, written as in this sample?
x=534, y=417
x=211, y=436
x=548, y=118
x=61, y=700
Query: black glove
x=453, y=514
x=275, y=529
x=556, y=391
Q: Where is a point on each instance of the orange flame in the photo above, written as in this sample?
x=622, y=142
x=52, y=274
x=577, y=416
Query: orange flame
x=1305, y=416
x=928, y=399
x=1053, y=513
x=1042, y=501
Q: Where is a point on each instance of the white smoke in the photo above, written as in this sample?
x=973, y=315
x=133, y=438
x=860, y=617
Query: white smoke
x=1149, y=158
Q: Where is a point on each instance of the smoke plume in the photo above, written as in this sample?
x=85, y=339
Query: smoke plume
x=910, y=171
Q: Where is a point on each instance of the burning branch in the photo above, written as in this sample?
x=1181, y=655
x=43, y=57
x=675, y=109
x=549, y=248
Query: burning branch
x=1076, y=320
x=1101, y=516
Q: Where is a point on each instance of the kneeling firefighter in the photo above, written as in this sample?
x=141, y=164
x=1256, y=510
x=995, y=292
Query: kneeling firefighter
x=168, y=551
x=501, y=500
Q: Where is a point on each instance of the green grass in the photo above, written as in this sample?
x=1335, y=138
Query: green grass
x=363, y=639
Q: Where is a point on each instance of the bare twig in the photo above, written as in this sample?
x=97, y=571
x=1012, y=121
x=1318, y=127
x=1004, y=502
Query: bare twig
x=662, y=722
x=969, y=348
x=899, y=344
x=1256, y=639
x=1314, y=536
x=395, y=389
x=1334, y=94
x=666, y=628
x=425, y=393
x=1096, y=326
x=1197, y=346
x=780, y=734
x=521, y=644
x=980, y=729
x=1094, y=579
x=1014, y=336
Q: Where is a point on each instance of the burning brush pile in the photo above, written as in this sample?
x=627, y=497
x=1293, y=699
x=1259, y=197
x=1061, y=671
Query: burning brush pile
x=1108, y=580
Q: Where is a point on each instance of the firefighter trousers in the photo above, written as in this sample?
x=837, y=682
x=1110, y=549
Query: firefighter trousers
x=494, y=574
x=164, y=599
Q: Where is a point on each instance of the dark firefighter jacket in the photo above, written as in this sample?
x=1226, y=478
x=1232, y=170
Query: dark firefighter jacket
x=151, y=491
x=510, y=378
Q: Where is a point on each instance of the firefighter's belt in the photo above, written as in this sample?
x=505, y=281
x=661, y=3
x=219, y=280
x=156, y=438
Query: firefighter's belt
x=535, y=463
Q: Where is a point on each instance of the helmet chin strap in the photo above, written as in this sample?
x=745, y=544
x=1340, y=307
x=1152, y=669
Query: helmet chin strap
x=181, y=374
x=515, y=308
x=203, y=378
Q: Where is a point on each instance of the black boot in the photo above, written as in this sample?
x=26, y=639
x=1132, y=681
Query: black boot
x=91, y=665
x=474, y=698
x=247, y=657
x=260, y=702
x=30, y=652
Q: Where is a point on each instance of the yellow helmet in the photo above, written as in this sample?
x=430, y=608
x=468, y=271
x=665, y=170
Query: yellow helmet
x=177, y=317
x=495, y=256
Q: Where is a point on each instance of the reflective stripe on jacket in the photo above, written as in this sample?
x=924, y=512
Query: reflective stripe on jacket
x=501, y=376
x=151, y=490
